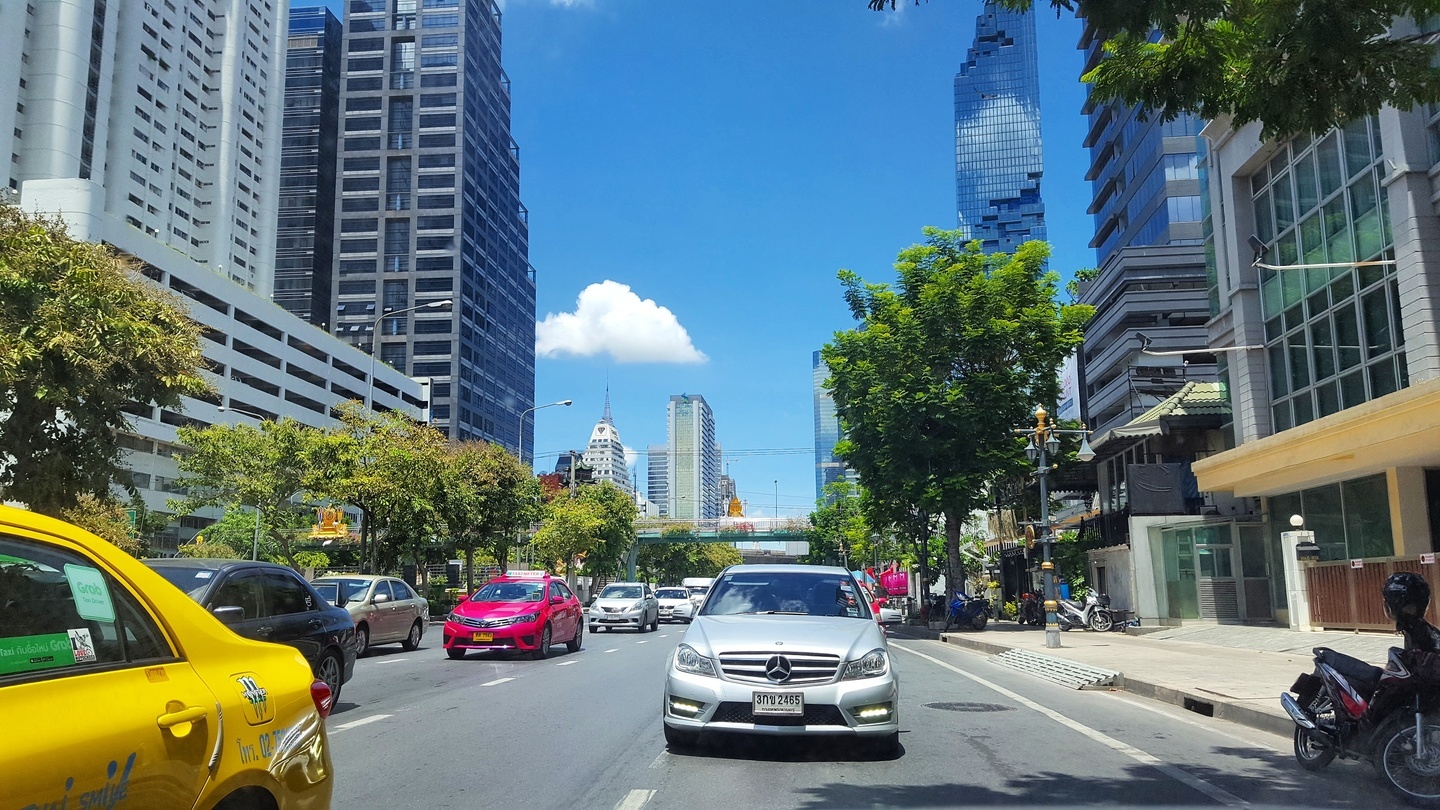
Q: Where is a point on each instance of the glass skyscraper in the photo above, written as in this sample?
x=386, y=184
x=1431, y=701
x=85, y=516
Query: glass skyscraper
x=430, y=210
x=829, y=468
x=305, y=229
x=998, y=160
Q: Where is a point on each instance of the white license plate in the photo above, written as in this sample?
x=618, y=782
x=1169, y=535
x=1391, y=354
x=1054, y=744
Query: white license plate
x=791, y=703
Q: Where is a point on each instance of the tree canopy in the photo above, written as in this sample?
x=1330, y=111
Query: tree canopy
x=83, y=338
x=485, y=497
x=1294, y=66
x=943, y=366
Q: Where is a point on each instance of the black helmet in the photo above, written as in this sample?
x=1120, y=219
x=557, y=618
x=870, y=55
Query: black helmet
x=1406, y=594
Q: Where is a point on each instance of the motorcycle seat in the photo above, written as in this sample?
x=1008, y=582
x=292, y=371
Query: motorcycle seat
x=1364, y=677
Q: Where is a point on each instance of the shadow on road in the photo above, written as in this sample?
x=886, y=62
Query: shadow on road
x=759, y=747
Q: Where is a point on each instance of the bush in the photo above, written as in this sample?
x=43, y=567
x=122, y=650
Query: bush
x=1010, y=610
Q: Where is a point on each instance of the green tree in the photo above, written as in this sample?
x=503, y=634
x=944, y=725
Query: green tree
x=1296, y=67
x=836, y=526
x=236, y=530
x=205, y=550
x=671, y=562
x=571, y=530
x=486, y=496
x=105, y=519
x=82, y=338
x=942, y=367
x=617, y=528
x=274, y=468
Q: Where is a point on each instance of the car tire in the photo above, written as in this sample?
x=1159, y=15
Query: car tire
x=679, y=739
x=331, y=670
x=455, y=653
x=412, y=641
x=573, y=645
x=643, y=626
x=362, y=640
x=543, y=651
x=655, y=623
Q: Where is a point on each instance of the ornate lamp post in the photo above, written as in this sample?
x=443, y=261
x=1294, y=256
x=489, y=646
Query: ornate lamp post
x=1043, y=441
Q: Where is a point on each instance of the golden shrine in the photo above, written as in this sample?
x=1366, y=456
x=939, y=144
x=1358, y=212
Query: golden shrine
x=330, y=524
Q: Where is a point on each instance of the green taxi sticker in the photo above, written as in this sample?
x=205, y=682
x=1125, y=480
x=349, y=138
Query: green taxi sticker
x=92, y=598
x=27, y=653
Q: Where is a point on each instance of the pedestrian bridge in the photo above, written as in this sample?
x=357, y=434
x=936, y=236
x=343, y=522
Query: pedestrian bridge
x=720, y=530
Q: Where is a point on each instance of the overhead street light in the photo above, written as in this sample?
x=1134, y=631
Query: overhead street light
x=254, y=543
x=520, y=440
x=1259, y=248
x=375, y=342
x=1146, y=340
x=1043, y=441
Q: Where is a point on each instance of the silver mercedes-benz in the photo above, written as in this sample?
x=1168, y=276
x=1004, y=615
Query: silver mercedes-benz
x=783, y=650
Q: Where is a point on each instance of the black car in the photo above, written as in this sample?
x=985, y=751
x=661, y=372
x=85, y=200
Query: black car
x=269, y=602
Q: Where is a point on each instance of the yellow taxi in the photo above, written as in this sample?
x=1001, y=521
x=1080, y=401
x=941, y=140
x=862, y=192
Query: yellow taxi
x=119, y=691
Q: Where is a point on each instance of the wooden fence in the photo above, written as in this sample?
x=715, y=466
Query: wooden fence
x=1343, y=597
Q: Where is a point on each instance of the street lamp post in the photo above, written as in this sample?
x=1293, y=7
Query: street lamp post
x=1043, y=442
x=255, y=543
x=520, y=440
x=375, y=341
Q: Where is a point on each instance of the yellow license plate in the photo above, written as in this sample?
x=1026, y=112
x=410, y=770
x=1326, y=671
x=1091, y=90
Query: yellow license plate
x=482, y=637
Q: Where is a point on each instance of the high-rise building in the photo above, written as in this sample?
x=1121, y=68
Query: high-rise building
x=154, y=128
x=998, y=161
x=605, y=454
x=829, y=468
x=309, y=134
x=694, y=474
x=657, y=485
x=430, y=210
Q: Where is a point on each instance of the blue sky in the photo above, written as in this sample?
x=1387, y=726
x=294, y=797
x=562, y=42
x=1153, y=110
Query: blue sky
x=723, y=160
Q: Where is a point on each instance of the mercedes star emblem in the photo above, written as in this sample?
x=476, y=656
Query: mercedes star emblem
x=777, y=668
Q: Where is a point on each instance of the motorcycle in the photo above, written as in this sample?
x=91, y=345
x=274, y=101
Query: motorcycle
x=1030, y=610
x=969, y=610
x=1350, y=709
x=1094, y=614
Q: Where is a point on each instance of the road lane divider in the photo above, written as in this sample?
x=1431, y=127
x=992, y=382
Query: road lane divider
x=642, y=642
x=1184, y=777
x=634, y=800
x=566, y=663
x=612, y=649
x=391, y=661
x=361, y=722
x=497, y=682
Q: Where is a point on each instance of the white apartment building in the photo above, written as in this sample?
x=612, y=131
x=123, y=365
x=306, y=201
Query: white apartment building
x=693, y=478
x=605, y=454
x=154, y=126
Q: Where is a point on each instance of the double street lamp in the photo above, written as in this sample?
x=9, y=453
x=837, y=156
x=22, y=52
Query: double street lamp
x=1043, y=442
x=375, y=341
x=520, y=440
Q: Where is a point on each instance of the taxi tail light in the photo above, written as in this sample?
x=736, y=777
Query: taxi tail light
x=324, y=699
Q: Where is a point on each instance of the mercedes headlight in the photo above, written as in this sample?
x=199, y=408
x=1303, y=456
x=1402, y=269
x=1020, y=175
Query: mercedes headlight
x=872, y=665
x=687, y=660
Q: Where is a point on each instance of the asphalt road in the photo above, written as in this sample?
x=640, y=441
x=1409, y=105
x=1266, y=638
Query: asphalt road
x=582, y=730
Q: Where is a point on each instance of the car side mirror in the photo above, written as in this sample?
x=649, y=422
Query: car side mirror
x=229, y=614
x=464, y=597
x=380, y=599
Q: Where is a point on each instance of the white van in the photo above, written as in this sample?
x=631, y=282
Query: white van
x=698, y=587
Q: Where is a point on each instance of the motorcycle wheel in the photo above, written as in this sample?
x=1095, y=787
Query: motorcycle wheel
x=1101, y=621
x=1311, y=751
x=1415, y=779
x=978, y=623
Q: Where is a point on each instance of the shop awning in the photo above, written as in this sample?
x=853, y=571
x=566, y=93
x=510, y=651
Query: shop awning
x=1197, y=405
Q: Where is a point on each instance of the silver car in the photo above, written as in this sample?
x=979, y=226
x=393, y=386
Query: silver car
x=675, y=605
x=625, y=604
x=783, y=650
x=385, y=609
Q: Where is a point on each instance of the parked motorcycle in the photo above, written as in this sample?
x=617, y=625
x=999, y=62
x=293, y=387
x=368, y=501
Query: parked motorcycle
x=966, y=610
x=1031, y=610
x=1093, y=614
x=1350, y=709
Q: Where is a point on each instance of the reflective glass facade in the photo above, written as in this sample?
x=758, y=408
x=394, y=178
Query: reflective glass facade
x=430, y=210
x=829, y=468
x=305, y=229
x=998, y=160
x=1333, y=335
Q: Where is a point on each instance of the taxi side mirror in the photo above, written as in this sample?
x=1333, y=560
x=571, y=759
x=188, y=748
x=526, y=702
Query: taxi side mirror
x=229, y=614
x=380, y=599
x=555, y=600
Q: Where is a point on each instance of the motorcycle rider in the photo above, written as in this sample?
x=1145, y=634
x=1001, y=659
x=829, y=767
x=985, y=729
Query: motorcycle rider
x=1406, y=596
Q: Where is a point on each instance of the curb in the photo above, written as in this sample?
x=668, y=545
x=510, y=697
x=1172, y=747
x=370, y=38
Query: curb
x=1205, y=704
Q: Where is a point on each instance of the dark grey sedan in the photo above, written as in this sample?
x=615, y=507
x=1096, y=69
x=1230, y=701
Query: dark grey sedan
x=269, y=602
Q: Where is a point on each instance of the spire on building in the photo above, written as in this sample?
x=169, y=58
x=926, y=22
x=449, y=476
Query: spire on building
x=606, y=417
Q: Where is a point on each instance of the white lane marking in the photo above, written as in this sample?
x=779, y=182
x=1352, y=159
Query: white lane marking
x=659, y=758
x=642, y=642
x=664, y=635
x=635, y=800
x=497, y=681
x=391, y=661
x=613, y=649
x=566, y=663
x=1222, y=796
x=1149, y=706
x=362, y=721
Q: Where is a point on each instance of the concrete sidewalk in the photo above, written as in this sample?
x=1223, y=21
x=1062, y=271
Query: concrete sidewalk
x=1233, y=672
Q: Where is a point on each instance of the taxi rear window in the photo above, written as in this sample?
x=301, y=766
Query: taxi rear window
x=60, y=613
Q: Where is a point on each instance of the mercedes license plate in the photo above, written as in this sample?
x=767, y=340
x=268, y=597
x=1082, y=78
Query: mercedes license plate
x=791, y=703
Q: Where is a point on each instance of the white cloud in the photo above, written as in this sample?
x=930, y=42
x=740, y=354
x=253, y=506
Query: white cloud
x=611, y=319
x=632, y=457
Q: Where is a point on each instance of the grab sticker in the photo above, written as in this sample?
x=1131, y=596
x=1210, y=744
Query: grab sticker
x=92, y=598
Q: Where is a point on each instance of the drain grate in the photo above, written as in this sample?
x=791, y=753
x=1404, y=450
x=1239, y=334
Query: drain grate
x=1065, y=673
x=970, y=707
